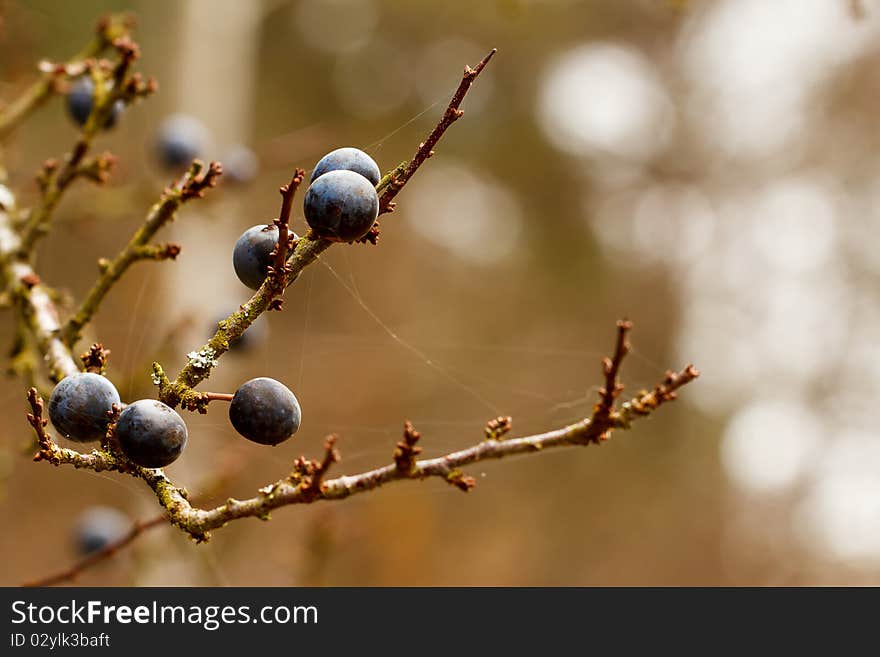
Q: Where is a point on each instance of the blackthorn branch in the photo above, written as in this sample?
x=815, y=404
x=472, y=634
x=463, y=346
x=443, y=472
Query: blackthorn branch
x=298, y=487
x=112, y=83
x=280, y=269
x=108, y=30
x=225, y=472
x=306, y=251
x=33, y=302
x=100, y=555
x=141, y=434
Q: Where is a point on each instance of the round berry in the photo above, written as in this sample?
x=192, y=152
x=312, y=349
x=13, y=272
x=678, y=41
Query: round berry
x=80, y=101
x=348, y=159
x=97, y=527
x=240, y=165
x=181, y=139
x=80, y=405
x=341, y=206
x=150, y=433
x=265, y=411
x=252, y=254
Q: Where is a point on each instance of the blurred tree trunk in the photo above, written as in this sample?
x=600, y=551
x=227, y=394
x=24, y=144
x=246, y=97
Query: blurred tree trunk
x=216, y=65
x=218, y=89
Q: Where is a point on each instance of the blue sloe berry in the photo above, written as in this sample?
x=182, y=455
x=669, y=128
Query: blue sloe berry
x=265, y=411
x=80, y=404
x=341, y=205
x=80, y=100
x=240, y=165
x=252, y=254
x=150, y=433
x=348, y=159
x=97, y=527
x=181, y=139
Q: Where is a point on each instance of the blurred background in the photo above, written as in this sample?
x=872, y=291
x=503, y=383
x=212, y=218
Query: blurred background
x=707, y=169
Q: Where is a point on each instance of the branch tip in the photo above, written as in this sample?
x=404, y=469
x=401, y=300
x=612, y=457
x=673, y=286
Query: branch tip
x=95, y=358
x=611, y=369
x=426, y=148
x=498, y=427
x=406, y=450
x=461, y=481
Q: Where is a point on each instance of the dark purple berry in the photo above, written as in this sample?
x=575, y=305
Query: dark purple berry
x=150, y=433
x=252, y=254
x=341, y=206
x=265, y=411
x=348, y=159
x=80, y=100
x=97, y=527
x=181, y=140
x=240, y=165
x=80, y=404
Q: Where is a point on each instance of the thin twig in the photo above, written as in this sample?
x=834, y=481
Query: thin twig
x=312, y=487
x=280, y=269
x=108, y=30
x=96, y=557
x=647, y=402
x=218, y=396
x=609, y=393
x=426, y=148
x=55, y=180
x=228, y=470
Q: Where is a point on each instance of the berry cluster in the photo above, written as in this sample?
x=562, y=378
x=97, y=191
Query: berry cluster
x=341, y=203
x=150, y=433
